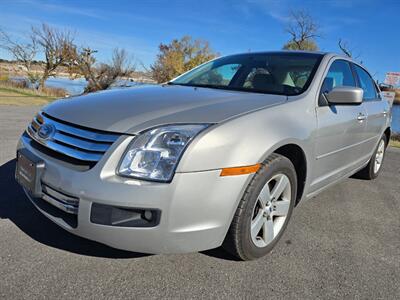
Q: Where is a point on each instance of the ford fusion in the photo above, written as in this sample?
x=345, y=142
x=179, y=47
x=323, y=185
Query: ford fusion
x=221, y=155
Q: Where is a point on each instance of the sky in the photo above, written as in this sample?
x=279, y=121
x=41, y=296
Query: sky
x=370, y=27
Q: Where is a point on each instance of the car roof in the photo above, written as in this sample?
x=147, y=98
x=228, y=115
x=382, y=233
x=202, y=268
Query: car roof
x=322, y=53
x=279, y=52
x=327, y=55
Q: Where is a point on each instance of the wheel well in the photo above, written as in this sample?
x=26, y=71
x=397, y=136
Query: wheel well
x=296, y=155
x=387, y=133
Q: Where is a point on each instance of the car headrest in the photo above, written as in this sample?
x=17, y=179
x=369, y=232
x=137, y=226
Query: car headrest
x=262, y=81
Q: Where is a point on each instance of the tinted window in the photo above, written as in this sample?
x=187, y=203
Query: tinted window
x=367, y=84
x=270, y=73
x=339, y=74
x=249, y=82
x=221, y=75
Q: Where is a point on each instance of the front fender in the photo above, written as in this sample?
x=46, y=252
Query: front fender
x=251, y=138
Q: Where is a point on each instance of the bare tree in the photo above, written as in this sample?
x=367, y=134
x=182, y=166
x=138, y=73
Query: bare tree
x=23, y=53
x=102, y=76
x=303, y=31
x=60, y=51
x=347, y=50
x=57, y=47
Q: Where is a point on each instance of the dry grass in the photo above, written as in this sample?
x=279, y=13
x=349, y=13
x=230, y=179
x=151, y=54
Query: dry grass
x=394, y=143
x=395, y=140
x=19, y=93
x=13, y=96
x=22, y=87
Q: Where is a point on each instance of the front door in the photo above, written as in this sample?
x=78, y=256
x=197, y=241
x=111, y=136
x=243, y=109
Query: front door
x=341, y=131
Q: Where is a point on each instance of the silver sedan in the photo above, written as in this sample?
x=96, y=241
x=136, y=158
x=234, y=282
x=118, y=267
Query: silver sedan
x=220, y=155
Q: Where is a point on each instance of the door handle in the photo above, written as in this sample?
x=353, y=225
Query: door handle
x=384, y=113
x=361, y=117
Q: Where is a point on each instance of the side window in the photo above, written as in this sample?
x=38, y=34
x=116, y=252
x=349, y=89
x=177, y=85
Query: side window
x=339, y=74
x=367, y=84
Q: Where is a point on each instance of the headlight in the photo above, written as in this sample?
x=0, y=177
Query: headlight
x=154, y=154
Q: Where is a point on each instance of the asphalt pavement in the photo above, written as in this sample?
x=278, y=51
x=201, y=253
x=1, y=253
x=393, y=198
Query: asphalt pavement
x=343, y=244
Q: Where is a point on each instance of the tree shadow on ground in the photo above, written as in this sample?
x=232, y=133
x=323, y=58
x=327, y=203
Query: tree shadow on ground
x=15, y=206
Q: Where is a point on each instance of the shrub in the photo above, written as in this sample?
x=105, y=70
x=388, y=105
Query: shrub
x=25, y=86
x=54, y=92
x=4, y=77
x=395, y=136
x=18, y=84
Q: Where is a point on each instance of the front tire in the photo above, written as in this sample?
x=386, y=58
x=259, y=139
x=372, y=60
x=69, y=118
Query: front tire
x=374, y=167
x=264, y=211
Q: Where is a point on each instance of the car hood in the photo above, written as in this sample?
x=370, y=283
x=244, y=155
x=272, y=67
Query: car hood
x=136, y=109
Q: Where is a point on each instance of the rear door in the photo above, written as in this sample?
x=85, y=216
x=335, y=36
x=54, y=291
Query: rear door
x=376, y=108
x=341, y=130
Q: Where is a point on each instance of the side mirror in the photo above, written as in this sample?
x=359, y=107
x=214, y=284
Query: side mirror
x=345, y=95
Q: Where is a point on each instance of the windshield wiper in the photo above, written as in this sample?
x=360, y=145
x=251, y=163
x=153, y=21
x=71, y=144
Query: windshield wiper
x=212, y=86
x=228, y=88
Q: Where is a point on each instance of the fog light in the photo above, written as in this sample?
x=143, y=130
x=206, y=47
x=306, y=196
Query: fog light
x=123, y=216
x=148, y=215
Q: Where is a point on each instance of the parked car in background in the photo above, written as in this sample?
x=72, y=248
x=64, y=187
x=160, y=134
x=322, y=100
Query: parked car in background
x=218, y=156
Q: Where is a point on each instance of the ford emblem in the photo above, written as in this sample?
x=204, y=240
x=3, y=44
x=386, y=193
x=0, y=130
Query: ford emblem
x=46, y=131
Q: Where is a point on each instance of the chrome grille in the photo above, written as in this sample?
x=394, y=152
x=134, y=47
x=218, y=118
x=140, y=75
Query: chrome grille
x=67, y=203
x=83, y=144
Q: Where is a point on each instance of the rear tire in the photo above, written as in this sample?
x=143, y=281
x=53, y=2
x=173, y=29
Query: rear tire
x=264, y=210
x=374, y=167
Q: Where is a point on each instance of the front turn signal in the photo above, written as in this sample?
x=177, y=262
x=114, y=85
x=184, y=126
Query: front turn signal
x=240, y=170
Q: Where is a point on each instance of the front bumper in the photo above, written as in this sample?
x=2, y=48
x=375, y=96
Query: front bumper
x=196, y=208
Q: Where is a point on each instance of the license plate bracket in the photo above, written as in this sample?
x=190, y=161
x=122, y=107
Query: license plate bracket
x=28, y=172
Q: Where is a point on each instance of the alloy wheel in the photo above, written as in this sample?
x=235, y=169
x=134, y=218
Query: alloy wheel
x=271, y=209
x=379, y=156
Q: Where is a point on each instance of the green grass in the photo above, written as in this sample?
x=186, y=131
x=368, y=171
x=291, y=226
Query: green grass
x=394, y=143
x=24, y=92
x=21, y=96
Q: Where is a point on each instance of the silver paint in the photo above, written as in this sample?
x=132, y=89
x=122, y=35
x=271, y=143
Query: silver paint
x=198, y=205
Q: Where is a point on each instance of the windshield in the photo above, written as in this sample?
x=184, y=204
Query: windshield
x=271, y=73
